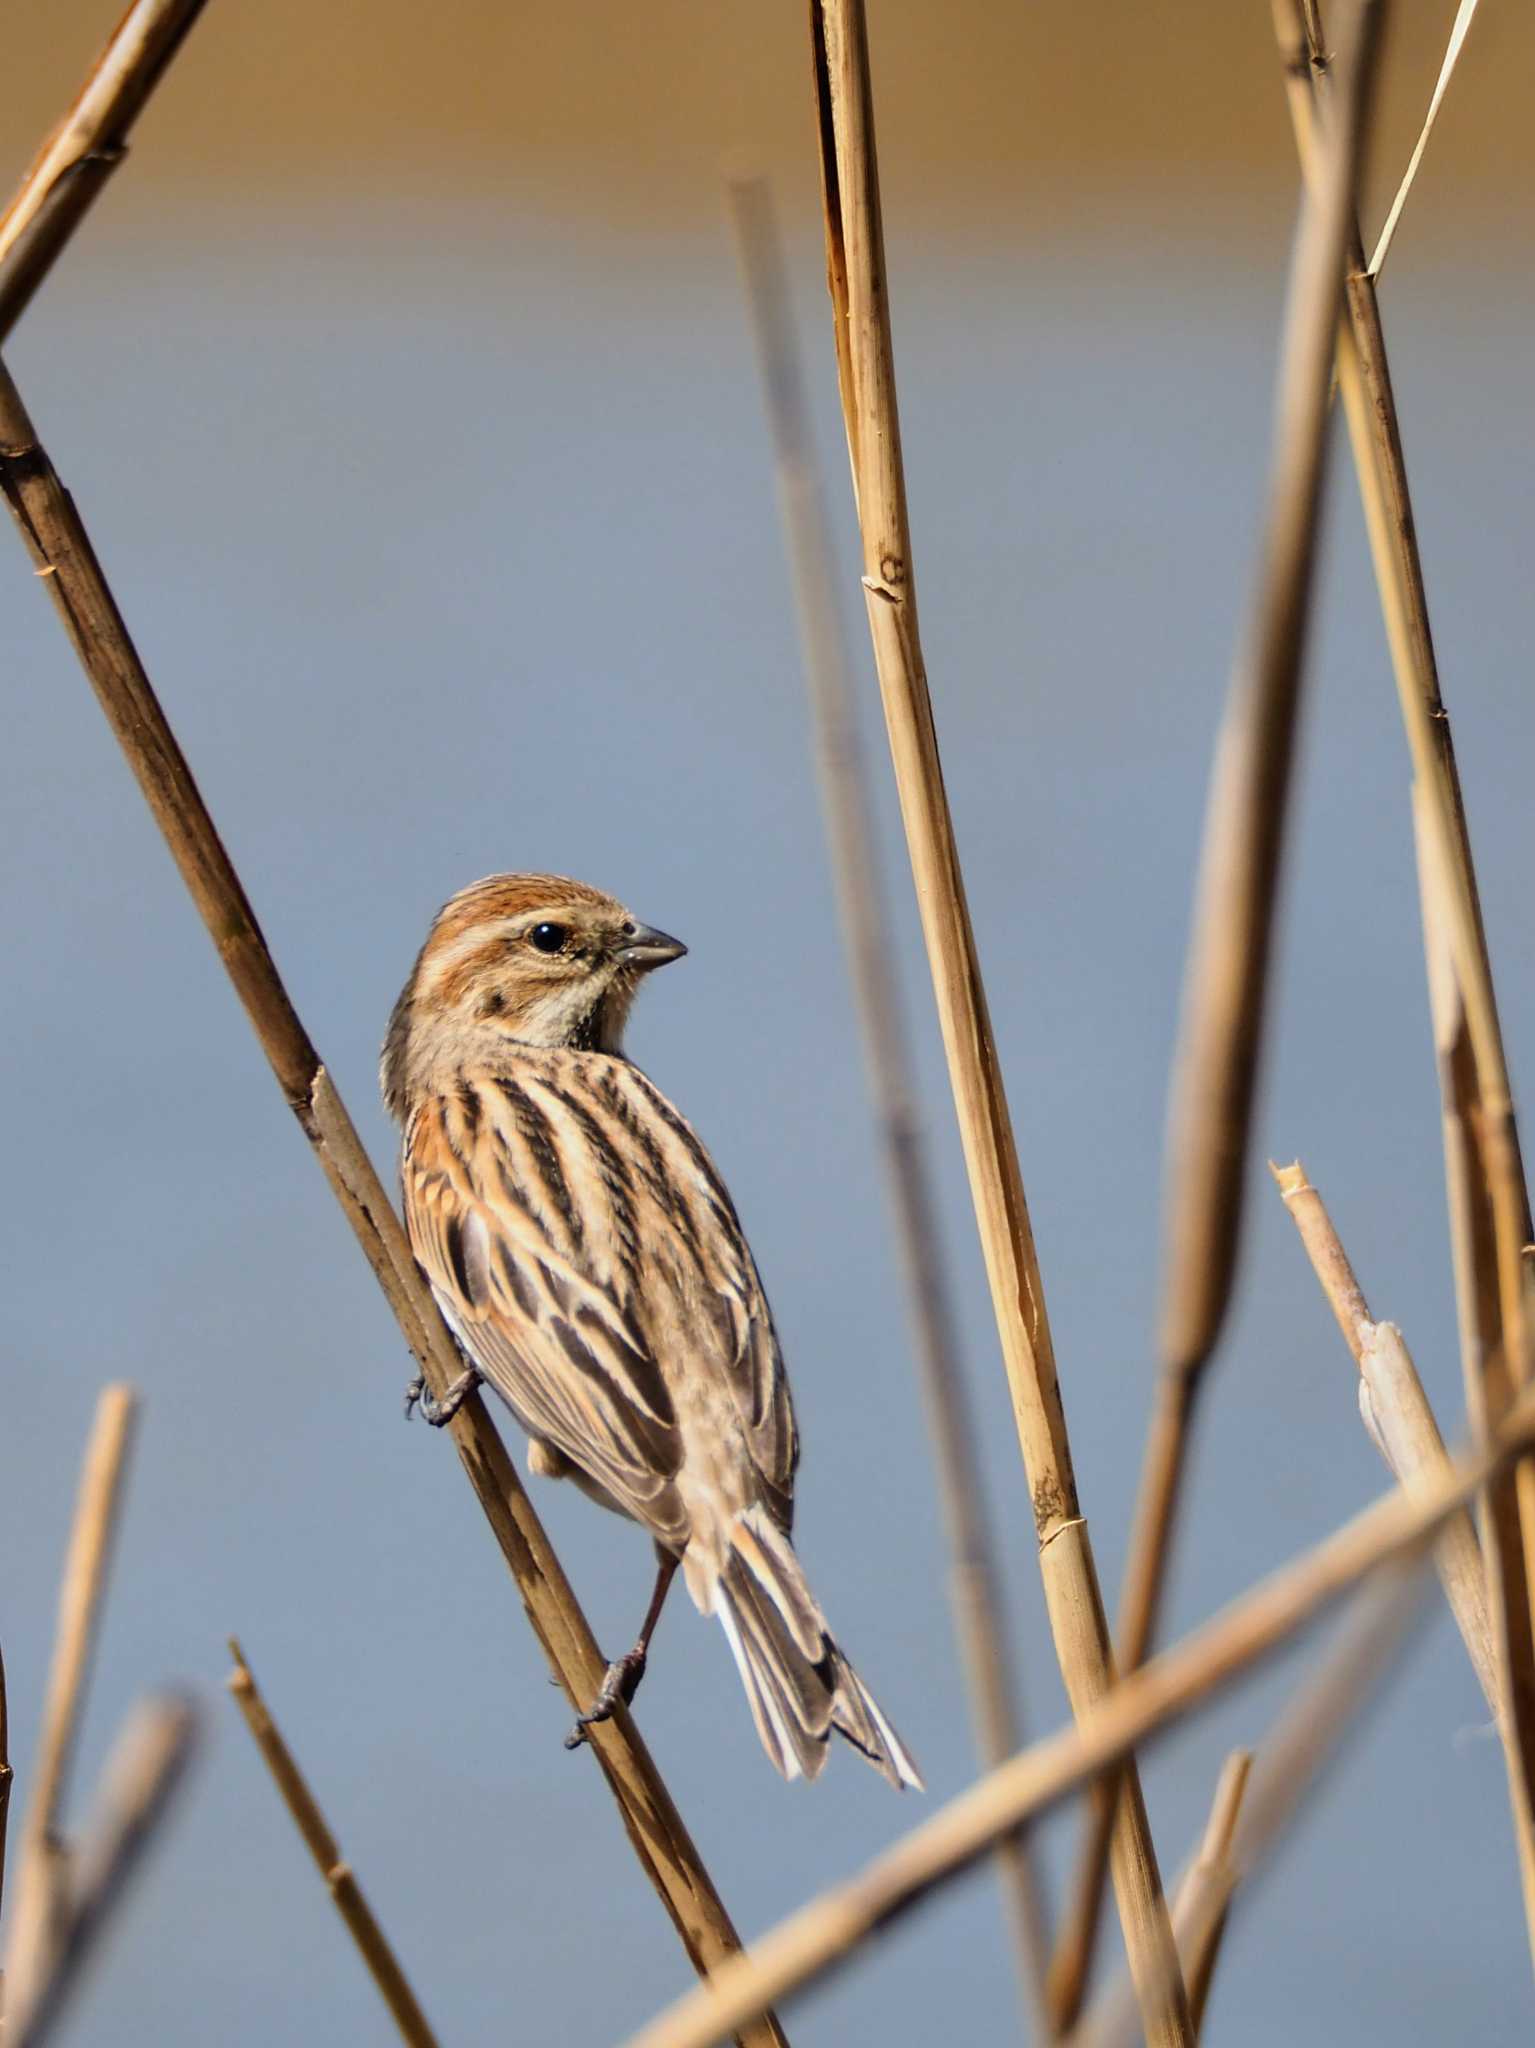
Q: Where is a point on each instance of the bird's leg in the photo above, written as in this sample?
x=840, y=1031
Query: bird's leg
x=436, y=1412
x=622, y=1679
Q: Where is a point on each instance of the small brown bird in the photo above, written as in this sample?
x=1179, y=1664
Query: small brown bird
x=585, y=1253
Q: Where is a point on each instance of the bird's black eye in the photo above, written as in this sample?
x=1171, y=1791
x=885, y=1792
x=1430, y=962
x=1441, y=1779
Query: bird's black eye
x=548, y=938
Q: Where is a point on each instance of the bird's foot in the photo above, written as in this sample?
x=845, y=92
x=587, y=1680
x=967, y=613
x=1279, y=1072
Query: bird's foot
x=620, y=1682
x=433, y=1411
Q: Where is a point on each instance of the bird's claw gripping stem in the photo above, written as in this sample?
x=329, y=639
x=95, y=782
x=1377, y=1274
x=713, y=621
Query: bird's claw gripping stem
x=621, y=1681
x=433, y=1411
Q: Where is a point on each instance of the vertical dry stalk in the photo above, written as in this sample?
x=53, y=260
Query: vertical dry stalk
x=1489, y=1203
x=143, y=1771
x=87, y=146
x=42, y=1876
x=1398, y=1415
x=974, y=1590
x=1226, y=984
x=1387, y=1539
x=340, y=1880
x=866, y=369
x=1490, y=1391
x=7, y=1775
x=1297, y=1752
x=62, y=551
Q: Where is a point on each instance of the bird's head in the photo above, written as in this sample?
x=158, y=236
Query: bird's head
x=538, y=959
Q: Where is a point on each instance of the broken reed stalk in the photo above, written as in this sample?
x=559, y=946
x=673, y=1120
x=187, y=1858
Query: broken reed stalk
x=1398, y=1416
x=1389, y=1534
x=974, y=1588
x=42, y=1876
x=60, y=547
x=866, y=377
x=1225, y=992
x=340, y=1880
x=1488, y=1199
x=1296, y=1753
x=146, y=1766
x=1211, y=1870
x=80, y=155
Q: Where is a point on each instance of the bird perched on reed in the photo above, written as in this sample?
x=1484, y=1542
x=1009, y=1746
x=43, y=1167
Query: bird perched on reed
x=586, y=1254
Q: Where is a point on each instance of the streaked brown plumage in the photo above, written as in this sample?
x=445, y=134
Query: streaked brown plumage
x=587, y=1256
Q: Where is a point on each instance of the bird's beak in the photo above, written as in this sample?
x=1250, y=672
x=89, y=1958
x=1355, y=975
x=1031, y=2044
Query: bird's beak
x=644, y=947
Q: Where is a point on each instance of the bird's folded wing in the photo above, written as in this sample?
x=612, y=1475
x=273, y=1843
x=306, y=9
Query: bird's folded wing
x=574, y=1369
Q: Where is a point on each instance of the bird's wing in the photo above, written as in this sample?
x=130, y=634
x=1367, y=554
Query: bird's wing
x=728, y=1326
x=508, y=1234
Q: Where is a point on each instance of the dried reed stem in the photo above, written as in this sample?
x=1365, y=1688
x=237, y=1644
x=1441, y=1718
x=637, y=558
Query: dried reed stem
x=85, y=149
x=42, y=1874
x=1294, y=1756
x=1506, y=1517
x=1225, y=989
x=1211, y=1870
x=866, y=374
x=382, y=1965
x=1398, y=1416
x=1489, y=1203
x=7, y=1777
x=1224, y=1001
x=974, y=1590
x=66, y=561
x=143, y=1771
x=1113, y=2013
x=824, y=1933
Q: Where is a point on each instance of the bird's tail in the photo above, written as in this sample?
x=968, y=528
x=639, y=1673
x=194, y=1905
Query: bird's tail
x=798, y=1682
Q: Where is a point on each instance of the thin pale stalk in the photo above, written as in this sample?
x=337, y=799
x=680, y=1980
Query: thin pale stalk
x=142, y=1774
x=66, y=562
x=1465, y=14
x=1293, y=1758
x=64, y=179
x=340, y=1880
x=40, y=1879
x=866, y=373
x=974, y=1591
x=1225, y=995
x=1398, y=1416
x=827, y=1931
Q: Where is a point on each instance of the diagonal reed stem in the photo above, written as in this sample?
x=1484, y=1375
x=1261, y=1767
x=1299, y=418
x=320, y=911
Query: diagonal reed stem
x=1226, y=984
x=340, y=1879
x=825, y=1933
x=41, y=1877
x=68, y=172
x=974, y=1589
x=62, y=551
x=866, y=375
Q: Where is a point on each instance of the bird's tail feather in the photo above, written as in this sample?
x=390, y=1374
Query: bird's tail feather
x=799, y=1684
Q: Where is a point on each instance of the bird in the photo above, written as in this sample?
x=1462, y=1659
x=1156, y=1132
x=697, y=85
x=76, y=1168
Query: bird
x=586, y=1255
